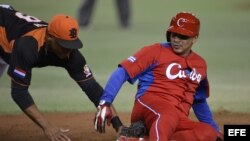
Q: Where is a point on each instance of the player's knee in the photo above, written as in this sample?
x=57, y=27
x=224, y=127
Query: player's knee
x=209, y=133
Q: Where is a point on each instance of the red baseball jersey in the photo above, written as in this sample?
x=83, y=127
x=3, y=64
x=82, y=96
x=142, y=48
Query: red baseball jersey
x=165, y=74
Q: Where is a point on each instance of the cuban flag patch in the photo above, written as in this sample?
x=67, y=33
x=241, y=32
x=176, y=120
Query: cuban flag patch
x=19, y=73
x=132, y=59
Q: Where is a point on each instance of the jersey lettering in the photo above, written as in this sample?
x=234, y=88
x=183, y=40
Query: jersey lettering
x=193, y=75
x=28, y=18
x=5, y=6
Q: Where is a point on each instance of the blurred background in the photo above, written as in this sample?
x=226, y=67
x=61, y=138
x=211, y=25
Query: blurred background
x=223, y=42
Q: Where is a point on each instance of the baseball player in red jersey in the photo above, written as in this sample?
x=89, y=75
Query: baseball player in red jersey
x=27, y=42
x=172, y=79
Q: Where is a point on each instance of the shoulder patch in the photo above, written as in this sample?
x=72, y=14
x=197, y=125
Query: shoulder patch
x=132, y=59
x=86, y=71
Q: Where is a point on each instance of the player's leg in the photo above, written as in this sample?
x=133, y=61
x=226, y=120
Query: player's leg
x=85, y=12
x=161, y=119
x=196, y=131
x=3, y=66
x=163, y=128
x=123, y=7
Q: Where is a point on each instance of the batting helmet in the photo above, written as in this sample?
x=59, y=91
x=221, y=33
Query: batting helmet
x=184, y=23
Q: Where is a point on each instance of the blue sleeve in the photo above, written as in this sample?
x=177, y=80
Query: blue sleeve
x=203, y=113
x=201, y=107
x=115, y=82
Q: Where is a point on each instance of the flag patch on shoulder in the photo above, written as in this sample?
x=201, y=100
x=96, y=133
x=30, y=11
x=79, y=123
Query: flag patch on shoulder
x=132, y=59
x=19, y=73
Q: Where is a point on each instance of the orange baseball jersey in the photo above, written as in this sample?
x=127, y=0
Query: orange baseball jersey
x=14, y=24
x=22, y=46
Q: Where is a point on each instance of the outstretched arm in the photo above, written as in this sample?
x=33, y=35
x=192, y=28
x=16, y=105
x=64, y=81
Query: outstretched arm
x=116, y=80
x=94, y=91
x=82, y=74
x=24, y=100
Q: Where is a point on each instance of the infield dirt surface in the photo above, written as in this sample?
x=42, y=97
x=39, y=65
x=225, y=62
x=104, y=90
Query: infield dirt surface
x=20, y=128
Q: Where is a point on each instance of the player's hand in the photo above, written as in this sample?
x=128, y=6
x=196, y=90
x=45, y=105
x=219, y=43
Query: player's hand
x=220, y=136
x=103, y=115
x=56, y=134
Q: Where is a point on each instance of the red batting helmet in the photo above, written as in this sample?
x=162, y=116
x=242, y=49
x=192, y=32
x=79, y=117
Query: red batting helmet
x=184, y=23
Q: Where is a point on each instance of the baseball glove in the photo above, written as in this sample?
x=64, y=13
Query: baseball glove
x=136, y=130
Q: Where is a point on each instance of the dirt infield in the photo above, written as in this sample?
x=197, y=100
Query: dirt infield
x=20, y=128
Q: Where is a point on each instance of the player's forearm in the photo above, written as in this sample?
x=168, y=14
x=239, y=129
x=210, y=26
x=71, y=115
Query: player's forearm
x=21, y=95
x=33, y=113
x=115, y=82
x=24, y=100
x=203, y=113
x=92, y=89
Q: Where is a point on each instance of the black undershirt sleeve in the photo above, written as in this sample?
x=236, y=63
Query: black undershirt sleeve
x=92, y=89
x=79, y=70
x=23, y=56
x=21, y=95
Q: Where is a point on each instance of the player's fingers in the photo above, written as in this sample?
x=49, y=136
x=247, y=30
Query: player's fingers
x=52, y=139
x=100, y=125
x=108, y=122
x=64, y=130
x=64, y=138
x=97, y=124
x=103, y=126
x=61, y=137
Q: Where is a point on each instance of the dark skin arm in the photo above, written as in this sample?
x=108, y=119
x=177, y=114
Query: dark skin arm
x=52, y=132
x=24, y=100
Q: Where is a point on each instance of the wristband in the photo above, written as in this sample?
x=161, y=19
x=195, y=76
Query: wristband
x=116, y=123
x=103, y=102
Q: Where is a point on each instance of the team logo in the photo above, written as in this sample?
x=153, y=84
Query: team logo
x=73, y=33
x=181, y=21
x=86, y=71
x=181, y=73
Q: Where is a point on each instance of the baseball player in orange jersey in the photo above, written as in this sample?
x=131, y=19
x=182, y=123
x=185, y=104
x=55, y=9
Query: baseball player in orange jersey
x=172, y=80
x=27, y=42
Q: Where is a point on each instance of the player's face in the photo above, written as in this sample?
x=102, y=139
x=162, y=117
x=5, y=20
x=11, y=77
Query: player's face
x=182, y=44
x=60, y=51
